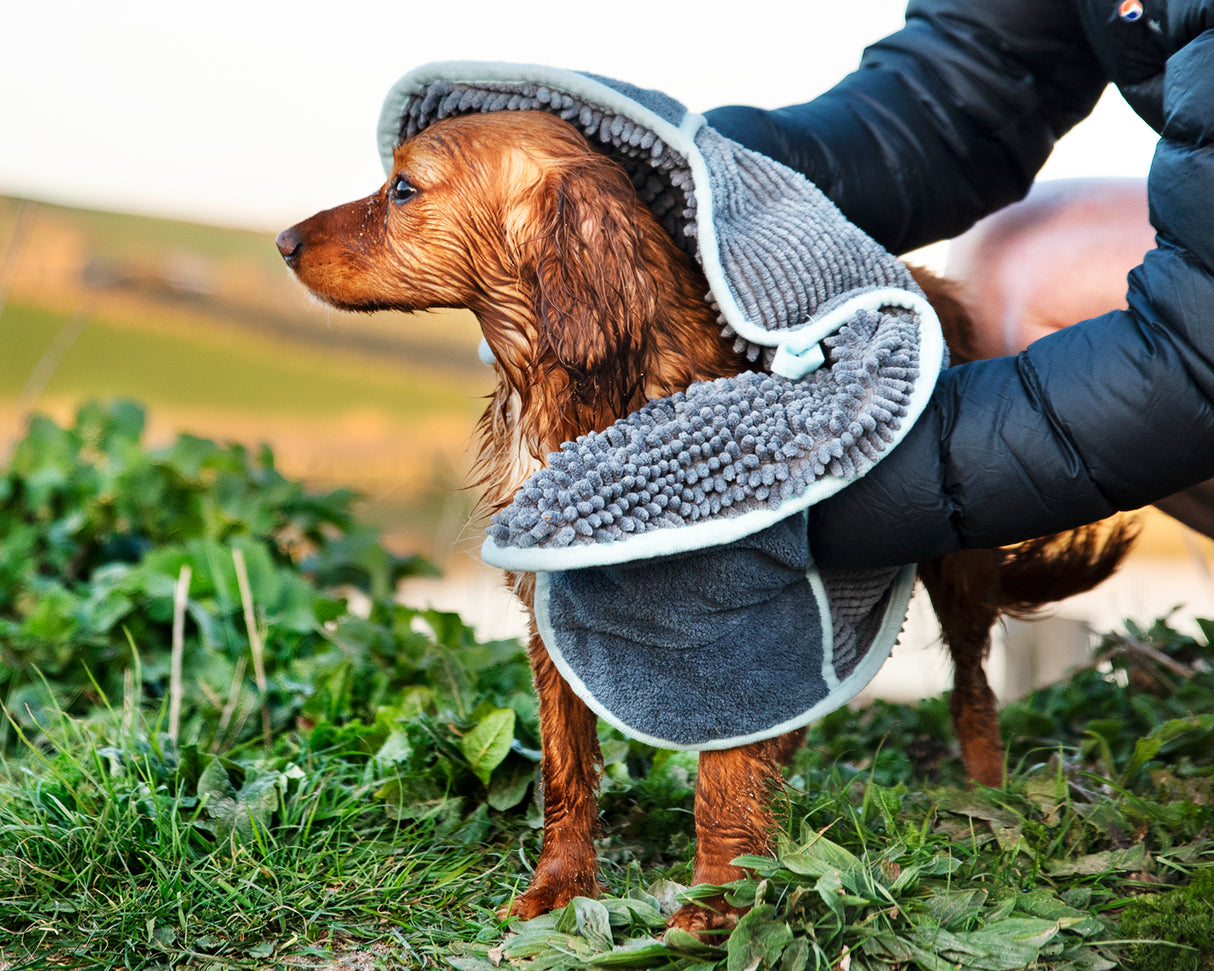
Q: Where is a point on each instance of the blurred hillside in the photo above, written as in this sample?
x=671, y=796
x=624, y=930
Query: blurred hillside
x=206, y=326
x=208, y=329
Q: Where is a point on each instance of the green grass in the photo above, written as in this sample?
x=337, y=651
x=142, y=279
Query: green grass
x=119, y=850
x=118, y=856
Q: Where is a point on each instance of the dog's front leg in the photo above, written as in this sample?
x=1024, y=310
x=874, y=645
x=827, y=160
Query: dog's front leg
x=570, y=768
x=734, y=788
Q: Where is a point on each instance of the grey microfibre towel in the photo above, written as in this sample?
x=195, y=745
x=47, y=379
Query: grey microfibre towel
x=747, y=623
x=723, y=450
x=742, y=638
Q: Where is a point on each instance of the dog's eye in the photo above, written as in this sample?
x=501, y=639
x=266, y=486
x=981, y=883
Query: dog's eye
x=402, y=190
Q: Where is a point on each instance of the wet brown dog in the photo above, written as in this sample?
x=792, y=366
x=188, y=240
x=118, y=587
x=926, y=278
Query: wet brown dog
x=591, y=310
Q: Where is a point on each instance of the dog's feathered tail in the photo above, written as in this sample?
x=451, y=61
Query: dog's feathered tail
x=1052, y=568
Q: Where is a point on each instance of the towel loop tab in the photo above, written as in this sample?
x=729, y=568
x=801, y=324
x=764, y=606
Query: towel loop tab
x=800, y=352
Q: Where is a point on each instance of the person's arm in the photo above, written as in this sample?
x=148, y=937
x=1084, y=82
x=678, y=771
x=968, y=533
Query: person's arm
x=1110, y=413
x=944, y=122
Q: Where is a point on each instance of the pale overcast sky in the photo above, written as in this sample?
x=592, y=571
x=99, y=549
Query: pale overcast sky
x=259, y=113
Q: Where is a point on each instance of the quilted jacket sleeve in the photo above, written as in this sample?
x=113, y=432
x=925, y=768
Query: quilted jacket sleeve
x=1111, y=413
x=945, y=121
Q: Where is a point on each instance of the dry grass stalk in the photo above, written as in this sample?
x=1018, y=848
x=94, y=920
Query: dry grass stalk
x=256, y=646
x=180, y=596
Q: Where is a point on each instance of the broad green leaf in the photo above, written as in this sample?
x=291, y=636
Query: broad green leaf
x=830, y=888
x=590, y=920
x=634, y=954
x=1132, y=859
x=795, y=956
x=1011, y=838
x=551, y=947
x=958, y=906
x=508, y=789
x=470, y=832
x=488, y=744
x=467, y=962
x=681, y=942
x=220, y=804
x=51, y=617
x=214, y=781
x=1084, y=959
x=629, y=911
x=415, y=700
x=818, y=857
x=257, y=801
x=396, y=748
x=758, y=940
x=1004, y=945
x=1042, y=902
x=453, y=685
x=667, y=895
x=889, y=949
x=1145, y=749
x=977, y=806
x=448, y=628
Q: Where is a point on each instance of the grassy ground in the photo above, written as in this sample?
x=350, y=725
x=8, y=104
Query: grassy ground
x=209, y=759
x=123, y=850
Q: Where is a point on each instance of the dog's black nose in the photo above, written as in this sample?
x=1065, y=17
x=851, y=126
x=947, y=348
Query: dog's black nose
x=289, y=245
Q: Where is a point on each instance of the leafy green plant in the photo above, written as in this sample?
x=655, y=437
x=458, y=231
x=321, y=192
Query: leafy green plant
x=95, y=532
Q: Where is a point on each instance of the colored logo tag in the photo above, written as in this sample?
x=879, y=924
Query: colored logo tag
x=1130, y=10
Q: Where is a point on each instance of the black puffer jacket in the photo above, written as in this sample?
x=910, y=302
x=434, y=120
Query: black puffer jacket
x=950, y=119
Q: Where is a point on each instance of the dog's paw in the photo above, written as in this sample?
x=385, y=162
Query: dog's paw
x=709, y=920
x=547, y=894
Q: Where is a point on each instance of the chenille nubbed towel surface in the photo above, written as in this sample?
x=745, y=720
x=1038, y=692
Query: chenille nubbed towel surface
x=676, y=591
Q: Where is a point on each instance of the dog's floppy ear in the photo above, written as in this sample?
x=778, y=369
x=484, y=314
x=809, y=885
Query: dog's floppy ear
x=595, y=295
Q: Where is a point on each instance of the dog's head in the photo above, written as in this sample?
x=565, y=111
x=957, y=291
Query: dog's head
x=489, y=210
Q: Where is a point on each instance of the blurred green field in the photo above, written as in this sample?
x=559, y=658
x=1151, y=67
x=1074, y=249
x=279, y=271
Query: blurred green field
x=205, y=326
x=187, y=366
